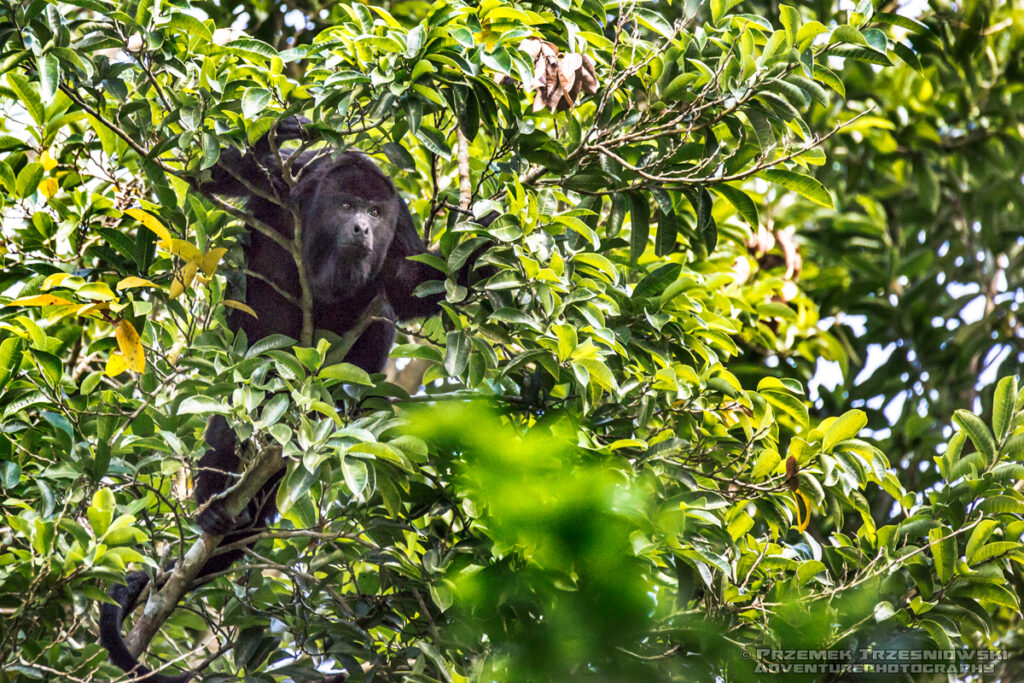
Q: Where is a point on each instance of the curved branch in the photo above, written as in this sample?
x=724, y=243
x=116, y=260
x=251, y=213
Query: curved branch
x=161, y=603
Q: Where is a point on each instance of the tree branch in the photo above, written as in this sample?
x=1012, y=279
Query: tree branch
x=161, y=603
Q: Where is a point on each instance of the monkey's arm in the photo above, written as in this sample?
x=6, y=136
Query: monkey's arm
x=407, y=275
x=257, y=171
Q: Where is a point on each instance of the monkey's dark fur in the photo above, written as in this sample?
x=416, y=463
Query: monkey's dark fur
x=357, y=235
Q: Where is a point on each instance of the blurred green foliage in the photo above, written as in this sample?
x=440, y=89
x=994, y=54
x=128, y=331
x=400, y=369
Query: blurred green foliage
x=598, y=461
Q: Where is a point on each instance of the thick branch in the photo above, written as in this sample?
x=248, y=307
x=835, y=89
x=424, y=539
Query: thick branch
x=465, y=183
x=161, y=603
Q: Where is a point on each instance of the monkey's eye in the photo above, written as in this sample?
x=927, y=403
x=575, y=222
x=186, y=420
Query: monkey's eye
x=346, y=206
x=374, y=211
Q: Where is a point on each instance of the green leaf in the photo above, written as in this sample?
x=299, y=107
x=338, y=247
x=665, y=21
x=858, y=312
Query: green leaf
x=883, y=611
x=765, y=464
x=28, y=94
x=28, y=179
x=274, y=409
x=847, y=34
x=356, y=475
x=434, y=141
x=937, y=633
x=665, y=239
x=617, y=215
x=978, y=432
x=720, y=7
x=808, y=570
x=210, y=149
x=456, y=356
x=254, y=101
x=741, y=201
x=859, y=53
x=49, y=76
x=991, y=550
x=10, y=359
x=788, y=405
x=707, y=231
x=990, y=592
x=327, y=409
x=346, y=372
x=269, y=343
x=203, y=405
x=952, y=454
x=1002, y=505
x=829, y=78
x=10, y=474
x=13, y=59
x=846, y=426
x=399, y=156
x=101, y=512
x=414, y=41
x=189, y=25
x=251, y=48
x=944, y=551
x=803, y=185
x=739, y=526
x=1002, y=405
x=908, y=56
x=7, y=178
x=640, y=225
x=911, y=25
x=791, y=21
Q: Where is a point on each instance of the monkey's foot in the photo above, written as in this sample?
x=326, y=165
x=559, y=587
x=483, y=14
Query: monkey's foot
x=216, y=520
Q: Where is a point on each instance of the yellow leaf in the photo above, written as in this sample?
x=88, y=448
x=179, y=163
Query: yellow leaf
x=96, y=291
x=238, y=305
x=54, y=280
x=41, y=300
x=94, y=309
x=150, y=222
x=48, y=162
x=212, y=260
x=132, y=281
x=116, y=364
x=488, y=37
x=186, y=251
x=49, y=187
x=183, y=278
x=131, y=346
x=61, y=312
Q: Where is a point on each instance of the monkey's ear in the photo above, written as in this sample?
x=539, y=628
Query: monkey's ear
x=310, y=177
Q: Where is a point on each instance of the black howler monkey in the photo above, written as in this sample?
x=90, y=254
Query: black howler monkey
x=357, y=237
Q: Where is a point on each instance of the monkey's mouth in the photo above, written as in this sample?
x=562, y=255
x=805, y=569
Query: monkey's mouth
x=354, y=246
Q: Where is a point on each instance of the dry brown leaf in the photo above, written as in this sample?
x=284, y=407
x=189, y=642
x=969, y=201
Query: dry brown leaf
x=557, y=79
x=791, y=254
x=762, y=242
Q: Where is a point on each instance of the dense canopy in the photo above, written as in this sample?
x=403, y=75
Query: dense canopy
x=737, y=380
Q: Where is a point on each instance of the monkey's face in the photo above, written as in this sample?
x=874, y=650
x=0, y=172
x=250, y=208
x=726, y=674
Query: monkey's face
x=348, y=227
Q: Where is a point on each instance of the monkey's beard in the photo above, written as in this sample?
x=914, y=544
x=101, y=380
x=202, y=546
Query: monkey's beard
x=340, y=273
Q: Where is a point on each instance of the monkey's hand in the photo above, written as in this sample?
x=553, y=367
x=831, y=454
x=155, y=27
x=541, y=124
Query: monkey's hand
x=292, y=128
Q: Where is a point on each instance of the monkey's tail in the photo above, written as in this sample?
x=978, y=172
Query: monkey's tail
x=111, y=618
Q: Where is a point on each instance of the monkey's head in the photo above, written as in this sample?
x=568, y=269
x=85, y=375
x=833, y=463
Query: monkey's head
x=349, y=212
